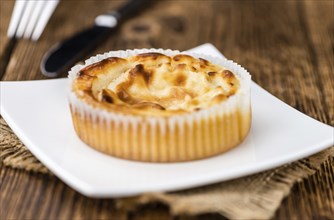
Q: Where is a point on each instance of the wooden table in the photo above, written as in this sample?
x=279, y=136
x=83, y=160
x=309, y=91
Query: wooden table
x=286, y=45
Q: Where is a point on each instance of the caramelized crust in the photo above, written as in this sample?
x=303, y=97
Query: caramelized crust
x=154, y=84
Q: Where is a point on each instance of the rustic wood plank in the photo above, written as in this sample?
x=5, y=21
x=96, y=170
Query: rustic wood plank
x=27, y=195
x=321, y=37
x=316, y=193
x=5, y=13
x=312, y=198
x=274, y=52
x=278, y=42
x=46, y=197
x=6, y=45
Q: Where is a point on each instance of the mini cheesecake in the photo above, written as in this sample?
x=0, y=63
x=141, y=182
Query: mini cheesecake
x=160, y=106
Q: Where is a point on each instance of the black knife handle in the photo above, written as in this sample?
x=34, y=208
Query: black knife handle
x=65, y=54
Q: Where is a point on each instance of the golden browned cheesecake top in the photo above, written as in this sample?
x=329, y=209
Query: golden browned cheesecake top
x=154, y=84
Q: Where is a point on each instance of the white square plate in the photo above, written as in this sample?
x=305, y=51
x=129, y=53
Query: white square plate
x=38, y=113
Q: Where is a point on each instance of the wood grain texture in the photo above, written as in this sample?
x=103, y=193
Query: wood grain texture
x=6, y=45
x=286, y=45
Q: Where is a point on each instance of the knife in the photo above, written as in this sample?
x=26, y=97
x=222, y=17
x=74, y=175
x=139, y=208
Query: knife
x=65, y=54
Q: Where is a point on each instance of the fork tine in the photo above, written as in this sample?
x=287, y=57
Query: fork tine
x=16, y=17
x=49, y=7
x=33, y=19
x=25, y=18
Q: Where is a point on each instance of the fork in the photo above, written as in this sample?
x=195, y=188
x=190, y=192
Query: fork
x=30, y=17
